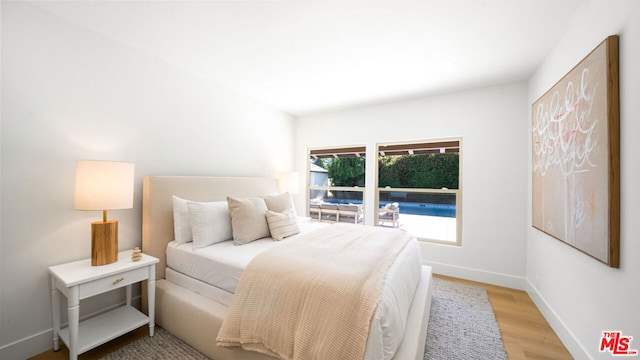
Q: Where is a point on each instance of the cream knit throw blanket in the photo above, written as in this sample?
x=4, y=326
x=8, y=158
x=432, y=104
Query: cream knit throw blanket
x=315, y=297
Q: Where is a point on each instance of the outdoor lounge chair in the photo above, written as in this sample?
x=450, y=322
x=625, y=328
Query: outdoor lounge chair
x=390, y=213
x=329, y=212
x=315, y=211
x=350, y=213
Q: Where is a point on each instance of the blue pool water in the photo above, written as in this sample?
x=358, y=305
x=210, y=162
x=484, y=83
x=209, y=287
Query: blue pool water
x=442, y=210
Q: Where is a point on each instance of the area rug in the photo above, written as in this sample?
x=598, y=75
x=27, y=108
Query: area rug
x=462, y=325
x=162, y=346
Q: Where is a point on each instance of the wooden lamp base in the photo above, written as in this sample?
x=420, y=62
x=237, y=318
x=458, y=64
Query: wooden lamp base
x=104, y=242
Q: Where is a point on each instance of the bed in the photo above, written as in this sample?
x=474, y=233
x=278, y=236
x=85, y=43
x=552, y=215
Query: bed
x=194, y=311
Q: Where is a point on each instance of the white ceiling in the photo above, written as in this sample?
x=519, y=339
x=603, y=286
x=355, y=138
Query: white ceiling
x=311, y=56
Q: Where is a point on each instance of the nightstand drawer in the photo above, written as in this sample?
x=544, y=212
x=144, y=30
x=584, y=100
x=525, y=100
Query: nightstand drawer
x=112, y=282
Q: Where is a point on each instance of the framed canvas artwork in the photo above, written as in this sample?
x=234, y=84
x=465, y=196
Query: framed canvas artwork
x=576, y=156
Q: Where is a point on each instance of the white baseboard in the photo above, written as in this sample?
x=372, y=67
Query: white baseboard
x=563, y=332
x=488, y=277
x=29, y=346
x=43, y=341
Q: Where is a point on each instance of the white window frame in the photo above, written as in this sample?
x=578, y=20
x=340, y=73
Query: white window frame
x=456, y=192
x=342, y=151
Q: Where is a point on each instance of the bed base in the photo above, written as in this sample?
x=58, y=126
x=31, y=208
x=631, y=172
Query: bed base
x=197, y=319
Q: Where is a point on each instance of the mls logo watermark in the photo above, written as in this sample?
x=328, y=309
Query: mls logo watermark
x=617, y=344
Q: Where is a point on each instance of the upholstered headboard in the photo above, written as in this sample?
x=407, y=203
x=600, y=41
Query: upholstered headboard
x=157, y=205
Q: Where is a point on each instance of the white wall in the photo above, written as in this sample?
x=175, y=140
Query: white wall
x=582, y=297
x=67, y=94
x=493, y=125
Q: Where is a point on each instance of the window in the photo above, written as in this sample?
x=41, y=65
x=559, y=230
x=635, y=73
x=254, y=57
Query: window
x=419, y=189
x=336, y=184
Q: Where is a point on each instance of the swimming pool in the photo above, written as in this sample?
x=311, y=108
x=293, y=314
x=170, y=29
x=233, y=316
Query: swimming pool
x=442, y=210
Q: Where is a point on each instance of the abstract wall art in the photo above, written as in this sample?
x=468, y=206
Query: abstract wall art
x=576, y=156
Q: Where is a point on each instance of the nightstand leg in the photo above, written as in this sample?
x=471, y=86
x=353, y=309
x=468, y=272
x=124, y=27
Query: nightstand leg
x=151, y=298
x=128, y=294
x=74, y=322
x=55, y=314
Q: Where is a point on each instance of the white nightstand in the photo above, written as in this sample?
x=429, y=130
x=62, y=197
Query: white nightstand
x=79, y=280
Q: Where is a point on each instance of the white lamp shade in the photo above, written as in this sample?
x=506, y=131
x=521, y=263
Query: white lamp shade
x=103, y=185
x=288, y=182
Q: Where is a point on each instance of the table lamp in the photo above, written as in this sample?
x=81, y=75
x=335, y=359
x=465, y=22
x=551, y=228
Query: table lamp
x=103, y=185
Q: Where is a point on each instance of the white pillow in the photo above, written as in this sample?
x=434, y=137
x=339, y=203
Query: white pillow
x=248, y=219
x=210, y=222
x=282, y=224
x=181, y=222
x=279, y=203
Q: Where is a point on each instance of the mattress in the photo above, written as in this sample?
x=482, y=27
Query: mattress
x=215, y=271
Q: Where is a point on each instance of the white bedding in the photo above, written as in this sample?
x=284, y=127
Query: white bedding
x=222, y=264
x=215, y=271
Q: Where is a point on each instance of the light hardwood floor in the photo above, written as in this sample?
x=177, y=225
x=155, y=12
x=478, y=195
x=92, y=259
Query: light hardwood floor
x=525, y=332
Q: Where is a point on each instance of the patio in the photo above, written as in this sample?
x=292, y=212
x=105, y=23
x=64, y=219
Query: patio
x=429, y=227
x=439, y=228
